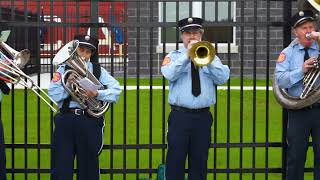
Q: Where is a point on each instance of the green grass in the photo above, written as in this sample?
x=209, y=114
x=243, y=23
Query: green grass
x=246, y=119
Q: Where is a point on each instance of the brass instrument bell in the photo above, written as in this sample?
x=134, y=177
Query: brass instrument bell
x=202, y=53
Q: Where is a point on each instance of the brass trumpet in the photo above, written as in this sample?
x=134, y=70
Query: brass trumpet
x=10, y=72
x=202, y=53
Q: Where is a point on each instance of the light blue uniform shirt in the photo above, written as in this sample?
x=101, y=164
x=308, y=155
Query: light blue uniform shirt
x=57, y=92
x=178, y=72
x=0, y=95
x=289, y=72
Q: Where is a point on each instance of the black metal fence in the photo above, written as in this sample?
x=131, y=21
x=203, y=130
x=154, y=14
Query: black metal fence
x=248, y=138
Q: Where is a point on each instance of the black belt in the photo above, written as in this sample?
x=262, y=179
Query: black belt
x=183, y=109
x=79, y=112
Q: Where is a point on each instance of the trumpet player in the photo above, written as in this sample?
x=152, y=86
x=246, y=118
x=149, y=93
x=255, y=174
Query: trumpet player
x=293, y=63
x=191, y=92
x=76, y=132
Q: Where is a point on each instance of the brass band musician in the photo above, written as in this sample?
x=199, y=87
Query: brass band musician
x=294, y=63
x=77, y=132
x=191, y=93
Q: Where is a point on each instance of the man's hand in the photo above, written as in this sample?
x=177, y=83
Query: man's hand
x=314, y=35
x=309, y=64
x=72, y=78
x=191, y=43
x=91, y=93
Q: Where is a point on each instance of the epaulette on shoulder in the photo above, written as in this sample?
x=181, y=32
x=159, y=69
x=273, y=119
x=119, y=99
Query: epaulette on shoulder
x=175, y=51
x=287, y=49
x=294, y=42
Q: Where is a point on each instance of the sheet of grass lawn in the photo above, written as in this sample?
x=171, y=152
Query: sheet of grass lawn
x=274, y=123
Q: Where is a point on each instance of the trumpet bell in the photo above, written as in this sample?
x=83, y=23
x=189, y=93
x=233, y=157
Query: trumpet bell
x=202, y=53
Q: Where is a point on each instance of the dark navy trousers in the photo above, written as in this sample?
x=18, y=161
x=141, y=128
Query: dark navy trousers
x=301, y=124
x=189, y=134
x=2, y=154
x=80, y=136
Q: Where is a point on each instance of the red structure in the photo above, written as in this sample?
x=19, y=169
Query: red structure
x=73, y=14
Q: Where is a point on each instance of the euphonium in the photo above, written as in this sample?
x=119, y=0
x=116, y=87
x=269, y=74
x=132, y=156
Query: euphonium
x=69, y=56
x=202, y=53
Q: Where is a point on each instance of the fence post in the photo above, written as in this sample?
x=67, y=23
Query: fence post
x=94, y=19
x=287, y=6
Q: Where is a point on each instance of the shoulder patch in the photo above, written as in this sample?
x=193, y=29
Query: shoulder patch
x=166, y=61
x=281, y=57
x=56, y=77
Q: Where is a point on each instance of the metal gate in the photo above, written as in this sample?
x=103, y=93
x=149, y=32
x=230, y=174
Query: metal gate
x=248, y=138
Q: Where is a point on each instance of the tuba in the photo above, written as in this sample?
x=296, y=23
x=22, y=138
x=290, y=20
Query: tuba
x=68, y=55
x=202, y=53
x=311, y=92
x=10, y=70
x=315, y=5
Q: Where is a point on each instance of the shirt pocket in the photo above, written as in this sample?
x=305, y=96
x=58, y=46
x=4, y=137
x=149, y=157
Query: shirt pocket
x=186, y=69
x=296, y=65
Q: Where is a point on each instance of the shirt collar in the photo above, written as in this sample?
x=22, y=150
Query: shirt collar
x=314, y=45
x=183, y=50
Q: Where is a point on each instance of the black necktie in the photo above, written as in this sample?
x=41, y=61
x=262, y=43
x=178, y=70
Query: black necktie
x=196, y=89
x=306, y=54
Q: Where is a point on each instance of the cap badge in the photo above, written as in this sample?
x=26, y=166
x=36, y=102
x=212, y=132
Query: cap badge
x=301, y=13
x=190, y=20
x=87, y=38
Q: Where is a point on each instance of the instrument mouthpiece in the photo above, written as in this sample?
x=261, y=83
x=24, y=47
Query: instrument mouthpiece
x=308, y=36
